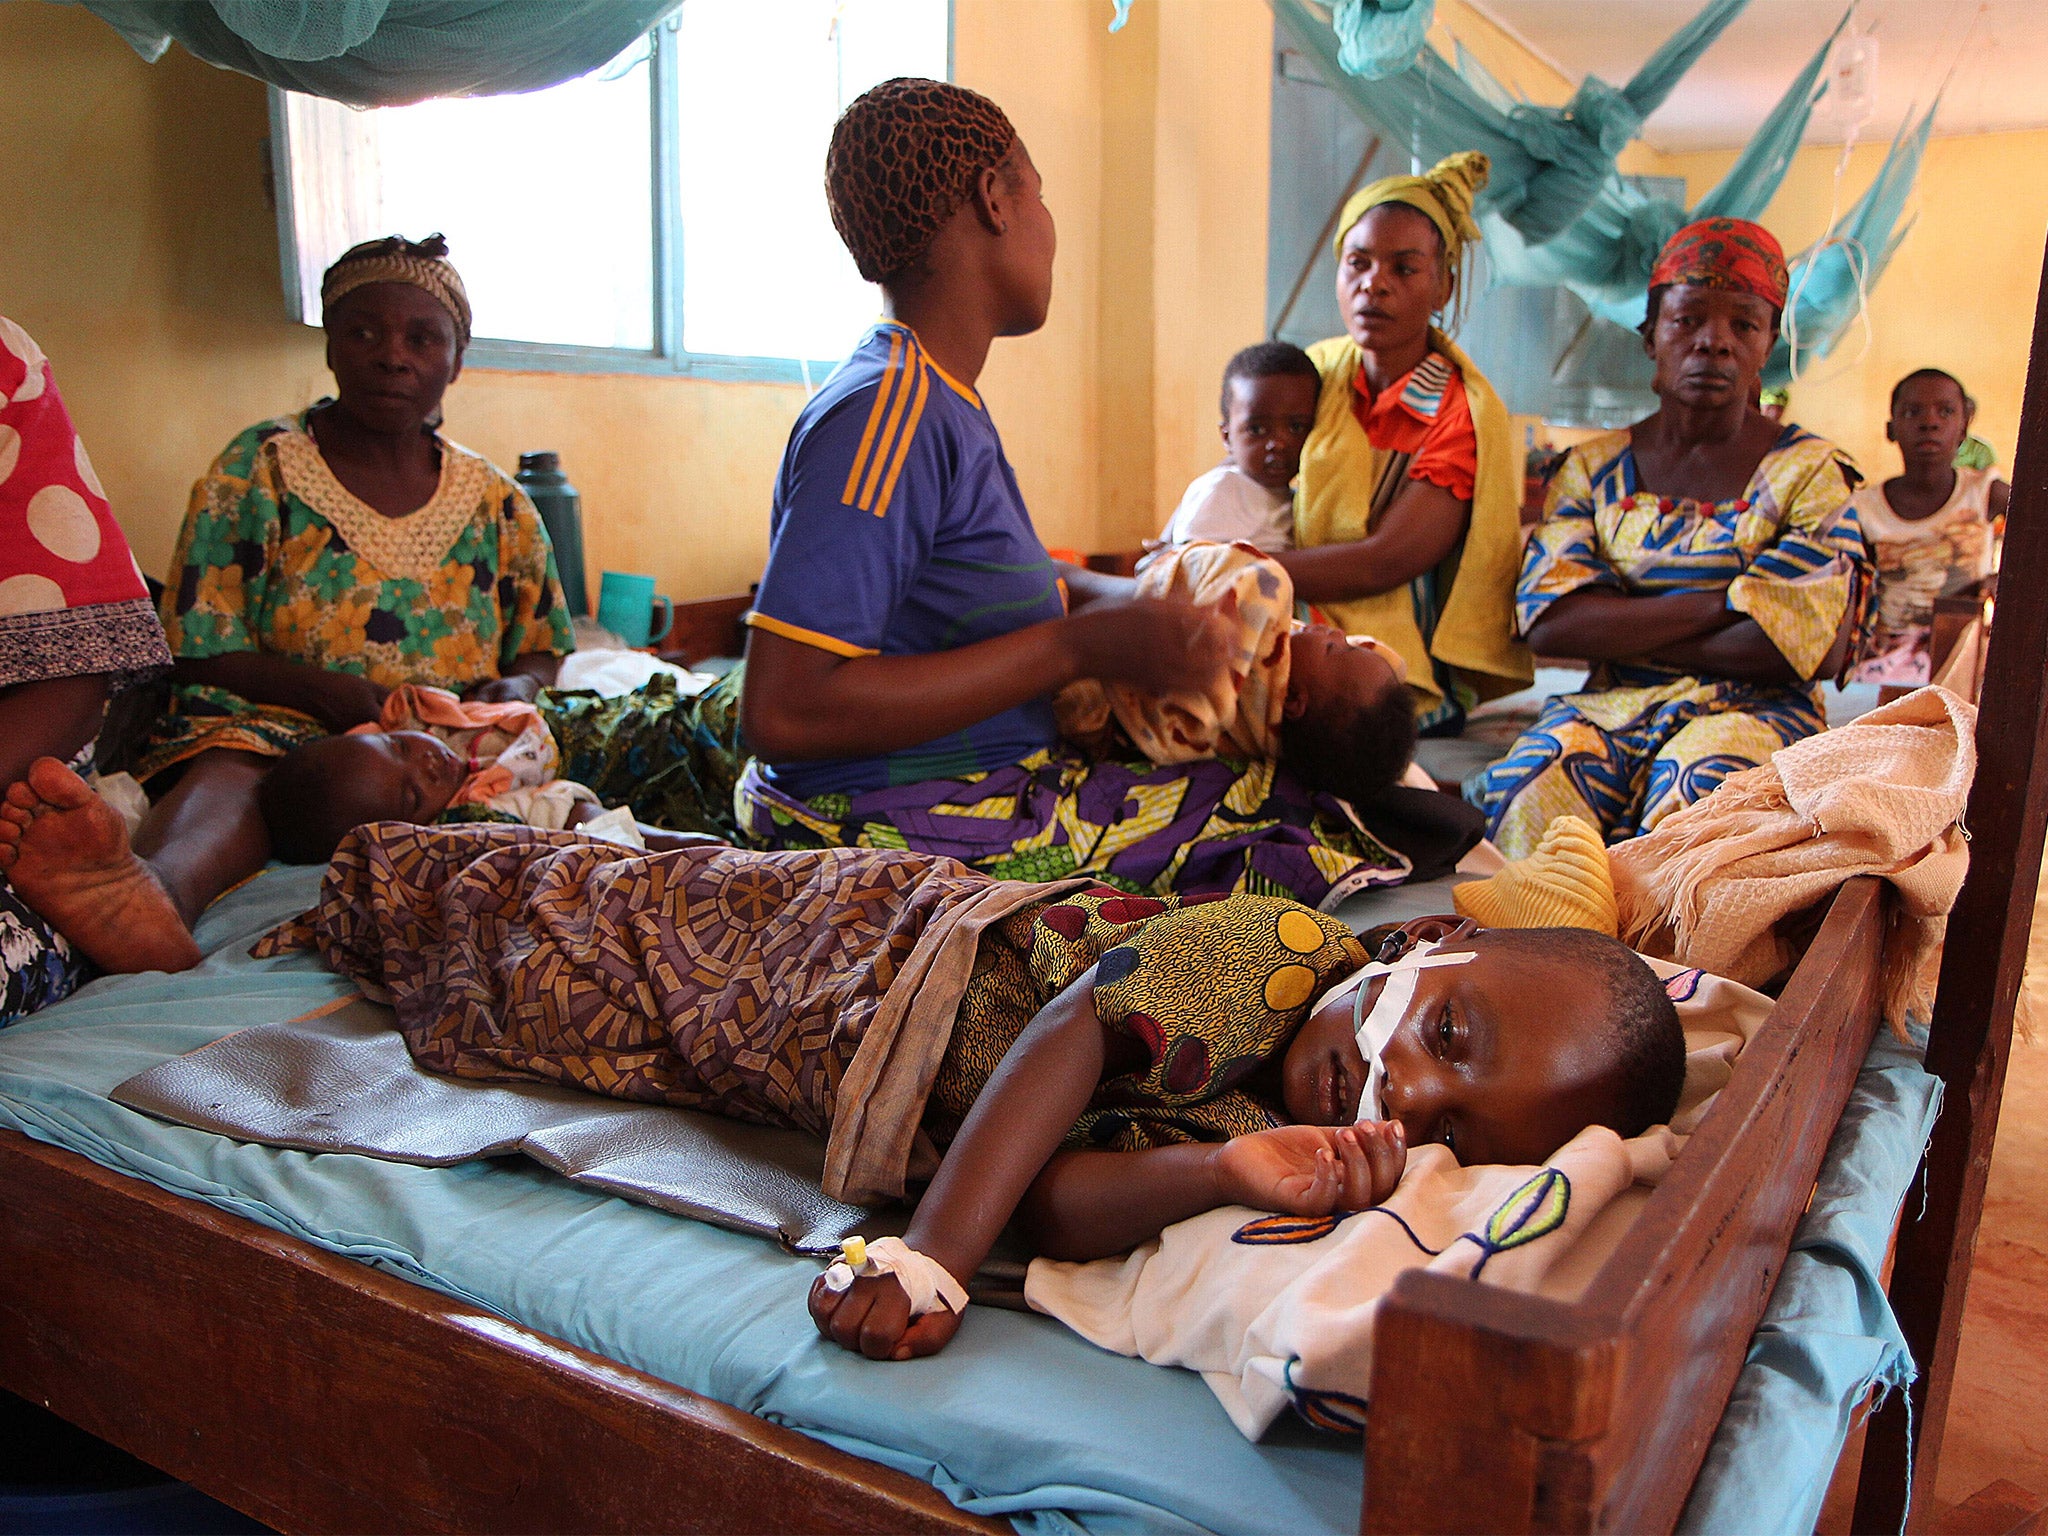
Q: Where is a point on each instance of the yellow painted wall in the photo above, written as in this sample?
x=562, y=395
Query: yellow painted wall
x=1959, y=294
x=1042, y=63
x=136, y=247
x=1210, y=177
x=1126, y=476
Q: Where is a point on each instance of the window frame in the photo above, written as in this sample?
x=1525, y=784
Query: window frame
x=667, y=359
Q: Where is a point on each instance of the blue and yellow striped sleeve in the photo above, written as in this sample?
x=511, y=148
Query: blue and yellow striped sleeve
x=1563, y=553
x=858, y=502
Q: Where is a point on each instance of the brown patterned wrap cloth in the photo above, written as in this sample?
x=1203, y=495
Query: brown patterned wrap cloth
x=813, y=989
x=903, y=157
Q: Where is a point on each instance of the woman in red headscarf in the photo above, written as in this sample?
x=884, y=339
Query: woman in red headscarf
x=1705, y=562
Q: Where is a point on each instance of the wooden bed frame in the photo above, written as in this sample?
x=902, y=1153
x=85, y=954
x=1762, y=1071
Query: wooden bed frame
x=318, y=1394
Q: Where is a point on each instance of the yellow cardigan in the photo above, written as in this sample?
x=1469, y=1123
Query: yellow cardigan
x=1475, y=634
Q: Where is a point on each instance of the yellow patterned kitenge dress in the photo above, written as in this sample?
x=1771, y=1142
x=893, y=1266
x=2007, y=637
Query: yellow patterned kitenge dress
x=1641, y=739
x=276, y=555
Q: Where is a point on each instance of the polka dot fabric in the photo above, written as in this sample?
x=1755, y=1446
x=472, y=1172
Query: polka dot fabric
x=1197, y=994
x=72, y=602
x=59, y=544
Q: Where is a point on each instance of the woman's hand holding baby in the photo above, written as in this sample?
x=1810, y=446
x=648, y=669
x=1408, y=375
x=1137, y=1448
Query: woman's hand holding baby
x=1157, y=645
x=1312, y=1170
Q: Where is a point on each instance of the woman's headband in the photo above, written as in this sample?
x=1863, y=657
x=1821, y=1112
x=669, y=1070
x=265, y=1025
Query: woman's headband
x=421, y=264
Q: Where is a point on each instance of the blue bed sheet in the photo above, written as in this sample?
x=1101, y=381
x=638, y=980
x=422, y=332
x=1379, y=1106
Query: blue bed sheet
x=1018, y=1418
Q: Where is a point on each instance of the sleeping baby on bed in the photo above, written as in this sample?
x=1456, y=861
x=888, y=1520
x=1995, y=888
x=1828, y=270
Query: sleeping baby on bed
x=1094, y=1064
x=430, y=756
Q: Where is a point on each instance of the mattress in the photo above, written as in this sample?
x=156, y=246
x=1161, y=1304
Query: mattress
x=1018, y=1418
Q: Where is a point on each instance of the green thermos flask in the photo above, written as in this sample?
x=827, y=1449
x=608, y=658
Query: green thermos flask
x=561, y=510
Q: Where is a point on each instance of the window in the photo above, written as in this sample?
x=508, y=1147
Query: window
x=665, y=213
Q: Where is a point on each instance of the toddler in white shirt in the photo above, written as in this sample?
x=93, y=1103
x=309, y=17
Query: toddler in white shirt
x=1269, y=408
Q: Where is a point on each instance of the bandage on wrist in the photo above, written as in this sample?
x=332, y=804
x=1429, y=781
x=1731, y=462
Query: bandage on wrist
x=928, y=1283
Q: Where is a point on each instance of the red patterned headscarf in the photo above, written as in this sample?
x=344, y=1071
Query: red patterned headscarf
x=1733, y=254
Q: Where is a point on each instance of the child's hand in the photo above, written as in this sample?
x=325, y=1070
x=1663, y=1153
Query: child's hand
x=872, y=1318
x=1312, y=1170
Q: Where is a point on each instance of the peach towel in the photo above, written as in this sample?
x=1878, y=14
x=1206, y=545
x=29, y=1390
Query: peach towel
x=1881, y=796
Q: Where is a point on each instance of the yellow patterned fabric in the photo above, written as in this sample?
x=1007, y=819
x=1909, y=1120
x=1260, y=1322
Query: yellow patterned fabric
x=1789, y=550
x=1452, y=625
x=1644, y=739
x=1198, y=995
x=278, y=556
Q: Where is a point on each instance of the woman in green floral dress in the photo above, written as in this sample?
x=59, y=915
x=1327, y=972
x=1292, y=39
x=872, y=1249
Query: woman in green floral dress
x=329, y=557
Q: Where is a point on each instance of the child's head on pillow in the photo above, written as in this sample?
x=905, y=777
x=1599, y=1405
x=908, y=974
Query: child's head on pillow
x=1349, y=726
x=319, y=791
x=1269, y=409
x=1503, y=1059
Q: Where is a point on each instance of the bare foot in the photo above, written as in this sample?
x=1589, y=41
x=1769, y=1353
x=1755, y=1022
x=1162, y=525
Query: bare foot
x=65, y=851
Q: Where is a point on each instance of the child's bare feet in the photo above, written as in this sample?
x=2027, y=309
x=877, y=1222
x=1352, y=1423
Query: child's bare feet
x=65, y=851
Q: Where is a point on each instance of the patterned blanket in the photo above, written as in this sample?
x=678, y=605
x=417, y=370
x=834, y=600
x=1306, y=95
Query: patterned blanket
x=813, y=989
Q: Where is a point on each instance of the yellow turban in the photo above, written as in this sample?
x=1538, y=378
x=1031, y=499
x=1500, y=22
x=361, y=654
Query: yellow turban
x=1444, y=192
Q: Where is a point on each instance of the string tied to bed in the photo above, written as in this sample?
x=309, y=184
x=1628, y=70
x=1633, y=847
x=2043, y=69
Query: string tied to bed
x=928, y=1283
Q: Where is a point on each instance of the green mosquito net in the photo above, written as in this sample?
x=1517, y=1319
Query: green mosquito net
x=376, y=53
x=1556, y=213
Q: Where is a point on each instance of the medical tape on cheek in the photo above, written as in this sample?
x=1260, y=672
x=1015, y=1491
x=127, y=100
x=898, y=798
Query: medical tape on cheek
x=1375, y=1029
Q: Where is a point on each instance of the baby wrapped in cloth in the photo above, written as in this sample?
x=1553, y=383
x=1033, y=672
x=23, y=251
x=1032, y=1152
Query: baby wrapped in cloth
x=431, y=756
x=510, y=761
x=1267, y=705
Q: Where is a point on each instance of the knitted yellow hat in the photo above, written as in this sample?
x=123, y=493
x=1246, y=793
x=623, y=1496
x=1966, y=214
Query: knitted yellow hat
x=1565, y=883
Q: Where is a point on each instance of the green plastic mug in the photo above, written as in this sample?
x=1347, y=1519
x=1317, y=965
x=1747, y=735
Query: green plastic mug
x=625, y=606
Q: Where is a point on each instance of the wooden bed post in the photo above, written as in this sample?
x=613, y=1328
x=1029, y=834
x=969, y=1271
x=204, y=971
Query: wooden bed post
x=1980, y=981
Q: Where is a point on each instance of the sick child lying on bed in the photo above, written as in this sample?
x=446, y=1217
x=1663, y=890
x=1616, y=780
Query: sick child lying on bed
x=432, y=754
x=1095, y=1064
x=1333, y=707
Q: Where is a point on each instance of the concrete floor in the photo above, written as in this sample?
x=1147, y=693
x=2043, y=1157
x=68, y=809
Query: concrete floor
x=1998, y=1417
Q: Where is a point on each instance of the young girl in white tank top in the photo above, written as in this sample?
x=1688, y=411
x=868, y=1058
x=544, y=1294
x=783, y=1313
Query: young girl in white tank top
x=1918, y=559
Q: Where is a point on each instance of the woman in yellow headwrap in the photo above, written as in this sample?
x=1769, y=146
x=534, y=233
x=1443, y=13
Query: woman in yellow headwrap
x=1407, y=520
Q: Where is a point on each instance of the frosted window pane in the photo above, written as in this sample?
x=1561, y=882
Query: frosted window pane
x=547, y=200
x=762, y=81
